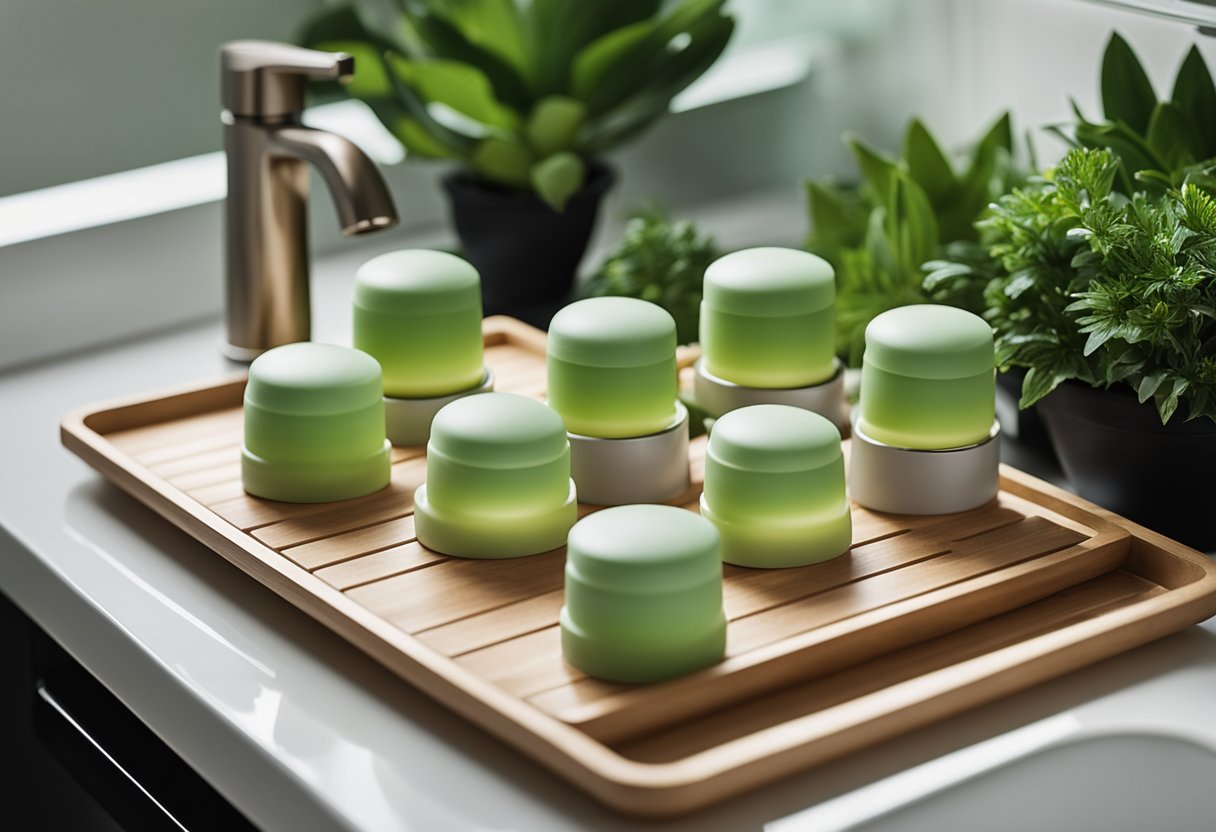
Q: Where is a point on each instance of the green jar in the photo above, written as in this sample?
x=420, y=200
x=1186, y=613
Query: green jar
x=314, y=425
x=768, y=318
x=612, y=367
x=497, y=479
x=774, y=487
x=928, y=378
x=643, y=594
x=418, y=313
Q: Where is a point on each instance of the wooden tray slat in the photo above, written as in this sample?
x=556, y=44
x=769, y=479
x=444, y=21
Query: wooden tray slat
x=924, y=617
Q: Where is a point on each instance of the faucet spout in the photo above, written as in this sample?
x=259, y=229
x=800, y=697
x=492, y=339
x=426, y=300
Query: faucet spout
x=359, y=192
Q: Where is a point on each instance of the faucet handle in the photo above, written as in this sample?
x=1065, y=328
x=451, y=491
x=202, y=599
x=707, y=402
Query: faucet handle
x=265, y=79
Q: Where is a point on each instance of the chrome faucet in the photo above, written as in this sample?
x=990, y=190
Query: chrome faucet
x=265, y=223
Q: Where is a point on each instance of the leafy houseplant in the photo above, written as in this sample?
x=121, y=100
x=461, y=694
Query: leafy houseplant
x=906, y=211
x=1098, y=292
x=526, y=97
x=1159, y=144
x=662, y=261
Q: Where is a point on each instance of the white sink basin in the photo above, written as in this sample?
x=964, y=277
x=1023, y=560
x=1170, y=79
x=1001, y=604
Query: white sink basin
x=1074, y=782
x=1105, y=784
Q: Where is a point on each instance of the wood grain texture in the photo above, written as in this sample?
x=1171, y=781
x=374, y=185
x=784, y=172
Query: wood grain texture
x=924, y=617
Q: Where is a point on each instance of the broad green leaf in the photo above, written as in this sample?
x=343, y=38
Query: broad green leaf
x=557, y=178
x=878, y=170
x=429, y=36
x=493, y=25
x=911, y=227
x=1149, y=384
x=1127, y=94
x=838, y=220
x=593, y=65
x=559, y=29
x=554, y=124
x=927, y=164
x=1173, y=136
x=612, y=69
x=461, y=87
x=674, y=72
x=1195, y=94
x=417, y=141
x=1037, y=384
x=504, y=159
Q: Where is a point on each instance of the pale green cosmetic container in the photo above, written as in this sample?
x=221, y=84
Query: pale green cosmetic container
x=497, y=479
x=774, y=487
x=418, y=313
x=643, y=594
x=612, y=367
x=314, y=425
x=928, y=378
x=768, y=318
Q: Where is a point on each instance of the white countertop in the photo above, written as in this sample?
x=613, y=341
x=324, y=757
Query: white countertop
x=300, y=731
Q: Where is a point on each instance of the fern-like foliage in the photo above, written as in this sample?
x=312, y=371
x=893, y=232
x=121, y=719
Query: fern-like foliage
x=1093, y=286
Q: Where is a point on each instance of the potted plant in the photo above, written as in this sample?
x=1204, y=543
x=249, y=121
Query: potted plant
x=907, y=209
x=527, y=98
x=1109, y=303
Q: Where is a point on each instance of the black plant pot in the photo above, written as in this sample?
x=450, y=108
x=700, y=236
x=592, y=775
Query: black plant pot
x=527, y=253
x=1117, y=453
x=1026, y=425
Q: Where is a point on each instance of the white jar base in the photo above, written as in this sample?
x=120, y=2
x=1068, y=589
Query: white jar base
x=718, y=396
x=636, y=469
x=909, y=481
x=408, y=421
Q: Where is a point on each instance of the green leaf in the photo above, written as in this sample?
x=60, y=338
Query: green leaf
x=1172, y=136
x=463, y=88
x=838, y=220
x=505, y=160
x=1195, y=94
x=554, y=124
x=1149, y=384
x=492, y=25
x=1037, y=384
x=927, y=164
x=558, y=178
x=1133, y=152
x=559, y=29
x=672, y=73
x=878, y=170
x=417, y=141
x=1127, y=94
x=612, y=69
x=911, y=226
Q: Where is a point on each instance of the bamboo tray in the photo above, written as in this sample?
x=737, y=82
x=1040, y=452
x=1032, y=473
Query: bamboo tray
x=927, y=616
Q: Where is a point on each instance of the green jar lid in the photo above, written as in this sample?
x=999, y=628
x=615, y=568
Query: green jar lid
x=644, y=548
x=612, y=332
x=774, y=438
x=417, y=282
x=313, y=379
x=770, y=283
x=498, y=430
x=930, y=341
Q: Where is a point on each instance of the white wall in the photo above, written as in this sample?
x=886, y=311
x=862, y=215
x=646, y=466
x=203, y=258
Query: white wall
x=1032, y=55
x=89, y=87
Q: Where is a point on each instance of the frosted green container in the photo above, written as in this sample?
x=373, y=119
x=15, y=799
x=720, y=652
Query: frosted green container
x=612, y=367
x=314, y=425
x=768, y=318
x=418, y=313
x=928, y=378
x=643, y=594
x=497, y=479
x=774, y=487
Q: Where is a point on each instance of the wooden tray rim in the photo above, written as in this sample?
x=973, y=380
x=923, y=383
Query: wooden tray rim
x=661, y=789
